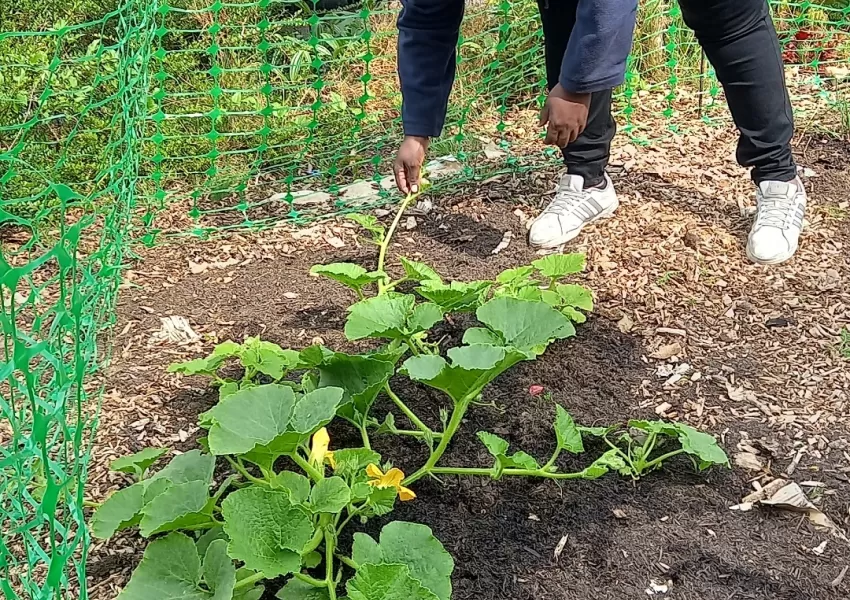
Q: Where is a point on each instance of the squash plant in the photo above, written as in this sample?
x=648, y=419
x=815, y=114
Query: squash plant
x=278, y=516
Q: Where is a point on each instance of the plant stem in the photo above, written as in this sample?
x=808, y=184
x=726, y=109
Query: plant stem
x=347, y=561
x=509, y=472
x=223, y=487
x=319, y=583
x=313, y=543
x=364, y=434
x=454, y=423
x=416, y=434
x=382, y=254
x=314, y=473
x=250, y=580
x=552, y=460
x=407, y=412
x=91, y=504
x=662, y=458
x=330, y=544
x=237, y=464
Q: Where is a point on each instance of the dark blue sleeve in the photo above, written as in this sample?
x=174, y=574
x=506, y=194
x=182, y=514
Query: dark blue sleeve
x=427, y=51
x=599, y=46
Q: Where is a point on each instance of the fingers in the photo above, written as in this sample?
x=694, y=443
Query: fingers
x=544, y=116
x=401, y=177
x=413, y=177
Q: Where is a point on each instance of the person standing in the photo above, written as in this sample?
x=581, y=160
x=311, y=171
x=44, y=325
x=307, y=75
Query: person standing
x=586, y=46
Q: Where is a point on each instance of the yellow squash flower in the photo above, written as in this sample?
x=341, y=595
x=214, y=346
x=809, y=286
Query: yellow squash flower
x=319, y=452
x=390, y=479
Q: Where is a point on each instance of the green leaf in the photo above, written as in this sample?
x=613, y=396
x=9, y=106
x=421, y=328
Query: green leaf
x=219, y=572
x=381, y=501
x=137, y=463
x=267, y=532
x=472, y=368
x=360, y=491
x=574, y=315
x=313, y=356
x=268, y=358
x=171, y=568
x=181, y=505
x=568, y=435
x=295, y=589
x=208, y=537
x=386, y=582
x=515, y=276
x=348, y=274
x=610, y=461
x=365, y=550
x=595, y=431
x=250, y=418
x=498, y=447
x=197, y=366
x=414, y=545
x=369, y=223
x=521, y=460
x=556, y=266
x=315, y=409
x=330, y=495
x=311, y=560
x=350, y=462
x=227, y=389
x=701, y=445
x=575, y=295
x=120, y=511
x=424, y=317
x=527, y=326
x=295, y=484
x=183, y=468
x=382, y=316
x=361, y=377
x=419, y=271
x=495, y=445
x=255, y=593
x=480, y=335
x=456, y=296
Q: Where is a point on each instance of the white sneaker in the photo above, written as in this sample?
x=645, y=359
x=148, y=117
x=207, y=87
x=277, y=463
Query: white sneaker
x=775, y=235
x=572, y=209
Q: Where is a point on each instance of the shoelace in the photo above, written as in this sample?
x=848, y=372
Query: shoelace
x=566, y=201
x=776, y=211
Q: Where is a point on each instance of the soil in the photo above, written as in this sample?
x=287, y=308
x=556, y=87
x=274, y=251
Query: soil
x=674, y=527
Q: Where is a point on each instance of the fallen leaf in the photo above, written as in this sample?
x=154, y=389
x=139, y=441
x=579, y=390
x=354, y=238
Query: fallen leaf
x=625, y=324
x=748, y=461
x=668, y=351
x=791, y=497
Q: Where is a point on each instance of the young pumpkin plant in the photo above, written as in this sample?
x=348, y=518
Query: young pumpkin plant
x=280, y=513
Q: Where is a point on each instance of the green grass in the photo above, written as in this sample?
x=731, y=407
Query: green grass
x=844, y=344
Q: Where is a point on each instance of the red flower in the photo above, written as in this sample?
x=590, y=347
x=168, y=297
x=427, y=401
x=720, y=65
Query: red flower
x=535, y=390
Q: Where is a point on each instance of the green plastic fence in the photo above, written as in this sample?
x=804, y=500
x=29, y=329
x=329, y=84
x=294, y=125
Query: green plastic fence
x=131, y=120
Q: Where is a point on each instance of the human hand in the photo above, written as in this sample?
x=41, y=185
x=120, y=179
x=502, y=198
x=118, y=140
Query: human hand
x=566, y=116
x=408, y=163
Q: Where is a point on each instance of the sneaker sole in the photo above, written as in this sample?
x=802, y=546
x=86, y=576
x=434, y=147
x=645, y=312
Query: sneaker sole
x=568, y=237
x=772, y=261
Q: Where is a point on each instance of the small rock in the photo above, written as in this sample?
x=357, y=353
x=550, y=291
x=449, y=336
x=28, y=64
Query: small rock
x=290, y=295
x=410, y=223
x=619, y=513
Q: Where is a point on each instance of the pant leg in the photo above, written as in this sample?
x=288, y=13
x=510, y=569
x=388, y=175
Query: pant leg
x=739, y=39
x=588, y=155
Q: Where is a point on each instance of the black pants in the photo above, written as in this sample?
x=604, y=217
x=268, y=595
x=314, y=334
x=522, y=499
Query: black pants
x=740, y=41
